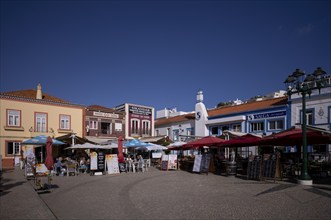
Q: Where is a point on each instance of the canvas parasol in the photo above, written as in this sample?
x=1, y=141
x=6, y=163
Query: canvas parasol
x=41, y=140
x=49, y=156
x=120, y=150
x=176, y=145
x=293, y=136
x=92, y=146
x=243, y=141
x=205, y=141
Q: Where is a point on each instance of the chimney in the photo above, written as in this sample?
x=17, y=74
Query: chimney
x=199, y=96
x=39, y=93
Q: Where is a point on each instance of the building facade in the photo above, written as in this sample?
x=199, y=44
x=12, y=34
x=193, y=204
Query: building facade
x=103, y=124
x=258, y=117
x=28, y=113
x=139, y=120
x=318, y=113
x=177, y=128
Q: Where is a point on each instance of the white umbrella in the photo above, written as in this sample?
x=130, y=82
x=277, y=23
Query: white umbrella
x=156, y=147
x=93, y=146
x=177, y=144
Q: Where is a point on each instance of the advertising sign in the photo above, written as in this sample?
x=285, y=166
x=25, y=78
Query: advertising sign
x=267, y=115
x=30, y=163
x=112, y=163
x=197, y=163
x=172, y=163
x=140, y=110
x=94, y=160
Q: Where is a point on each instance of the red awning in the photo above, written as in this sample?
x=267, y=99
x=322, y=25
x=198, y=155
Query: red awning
x=243, y=141
x=293, y=136
x=205, y=141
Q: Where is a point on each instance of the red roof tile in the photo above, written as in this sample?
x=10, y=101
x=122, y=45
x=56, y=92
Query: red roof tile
x=225, y=110
x=256, y=105
x=32, y=93
x=102, y=108
x=179, y=118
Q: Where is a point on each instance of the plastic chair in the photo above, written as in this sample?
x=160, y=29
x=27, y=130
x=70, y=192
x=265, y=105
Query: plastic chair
x=72, y=168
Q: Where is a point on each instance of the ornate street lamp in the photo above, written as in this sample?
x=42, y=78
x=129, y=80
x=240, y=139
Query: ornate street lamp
x=300, y=83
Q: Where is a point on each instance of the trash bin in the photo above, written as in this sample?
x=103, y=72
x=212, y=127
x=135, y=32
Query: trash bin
x=231, y=168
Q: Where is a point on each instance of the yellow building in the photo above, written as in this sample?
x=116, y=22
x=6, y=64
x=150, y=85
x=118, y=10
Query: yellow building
x=29, y=113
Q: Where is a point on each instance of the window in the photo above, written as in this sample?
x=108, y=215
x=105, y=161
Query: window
x=41, y=122
x=134, y=126
x=309, y=117
x=257, y=126
x=189, y=131
x=214, y=131
x=118, y=126
x=94, y=125
x=13, y=148
x=146, y=127
x=175, y=135
x=14, y=118
x=276, y=125
x=65, y=122
x=106, y=128
x=236, y=127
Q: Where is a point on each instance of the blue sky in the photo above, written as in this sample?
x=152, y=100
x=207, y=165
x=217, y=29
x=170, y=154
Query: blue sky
x=160, y=53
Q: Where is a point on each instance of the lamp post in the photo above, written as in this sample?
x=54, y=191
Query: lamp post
x=300, y=83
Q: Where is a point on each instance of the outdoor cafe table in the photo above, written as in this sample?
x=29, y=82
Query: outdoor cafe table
x=131, y=166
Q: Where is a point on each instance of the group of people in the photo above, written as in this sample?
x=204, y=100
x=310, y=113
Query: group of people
x=61, y=164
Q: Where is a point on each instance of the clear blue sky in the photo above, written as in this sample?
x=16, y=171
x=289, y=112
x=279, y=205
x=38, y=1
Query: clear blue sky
x=160, y=53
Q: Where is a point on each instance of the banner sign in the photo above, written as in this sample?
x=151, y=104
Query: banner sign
x=106, y=115
x=267, y=115
x=140, y=110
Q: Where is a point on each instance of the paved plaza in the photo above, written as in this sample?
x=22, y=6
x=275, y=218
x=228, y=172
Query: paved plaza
x=161, y=195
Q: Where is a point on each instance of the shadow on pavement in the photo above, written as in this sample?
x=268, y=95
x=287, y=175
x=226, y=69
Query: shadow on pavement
x=318, y=192
x=276, y=188
x=6, y=188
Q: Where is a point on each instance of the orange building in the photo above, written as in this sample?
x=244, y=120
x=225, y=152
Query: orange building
x=29, y=113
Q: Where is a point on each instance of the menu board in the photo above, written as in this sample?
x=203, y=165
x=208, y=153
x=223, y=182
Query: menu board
x=164, y=162
x=112, y=163
x=164, y=165
x=205, y=161
x=172, y=162
x=30, y=163
x=197, y=163
x=94, y=160
x=269, y=166
x=101, y=161
x=254, y=168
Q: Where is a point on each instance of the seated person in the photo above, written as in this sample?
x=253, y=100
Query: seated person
x=58, y=165
x=83, y=164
